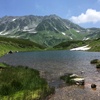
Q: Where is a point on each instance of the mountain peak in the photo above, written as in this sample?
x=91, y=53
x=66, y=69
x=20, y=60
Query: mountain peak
x=46, y=30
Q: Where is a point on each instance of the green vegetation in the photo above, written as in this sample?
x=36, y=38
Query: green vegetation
x=70, y=44
x=49, y=38
x=22, y=83
x=94, y=44
x=3, y=65
x=11, y=44
x=52, y=38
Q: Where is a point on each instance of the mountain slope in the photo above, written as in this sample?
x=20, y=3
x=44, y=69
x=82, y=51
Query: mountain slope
x=94, y=33
x=9, y=44
x=45, y=30
x=93, y=44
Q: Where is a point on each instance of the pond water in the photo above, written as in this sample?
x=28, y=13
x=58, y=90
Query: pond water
x=53, y=64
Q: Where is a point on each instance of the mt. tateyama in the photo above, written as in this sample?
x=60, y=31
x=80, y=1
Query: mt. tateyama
x=45, y=30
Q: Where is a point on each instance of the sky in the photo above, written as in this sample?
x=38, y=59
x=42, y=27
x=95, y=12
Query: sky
x=85, y=13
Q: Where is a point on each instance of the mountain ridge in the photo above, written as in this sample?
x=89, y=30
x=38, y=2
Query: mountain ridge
x=45, y=30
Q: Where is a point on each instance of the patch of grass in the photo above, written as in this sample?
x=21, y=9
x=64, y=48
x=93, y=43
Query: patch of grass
x=3, y=65
x=22, y=83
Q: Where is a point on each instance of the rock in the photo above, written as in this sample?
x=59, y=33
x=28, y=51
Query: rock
x=93, y=86
x=73, y=79
x=79, y=81
x=74, y=75
x=98, y=65
x=1, y=67
x=82, y=72
x=95, y=61
x=10, y=52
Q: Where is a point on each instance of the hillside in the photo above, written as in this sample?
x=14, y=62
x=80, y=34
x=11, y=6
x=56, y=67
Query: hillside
x=93, y=44
x=10, y=44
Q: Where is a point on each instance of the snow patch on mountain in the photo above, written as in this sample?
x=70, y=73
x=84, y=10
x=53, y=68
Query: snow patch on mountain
x=63, y=33
x=14, y=36
x=29, y=30
x=83, y=48
x=33, y=32
x=68, y=27
x=86, y=38
x=4, y=33
x=77, y=31
x=71, y=38
x=1, y=32
x=55, y=28
x=14, y=19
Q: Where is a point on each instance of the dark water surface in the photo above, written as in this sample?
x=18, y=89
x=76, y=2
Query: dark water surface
x=53, y=64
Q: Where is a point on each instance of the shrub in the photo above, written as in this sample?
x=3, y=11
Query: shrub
x=16, y=85
x=5, y=89
x=23, y=82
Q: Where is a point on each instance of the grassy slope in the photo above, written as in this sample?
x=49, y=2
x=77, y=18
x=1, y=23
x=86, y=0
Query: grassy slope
x=50, y=38
x=22, y=83
x=7, y=44
x=94, y=44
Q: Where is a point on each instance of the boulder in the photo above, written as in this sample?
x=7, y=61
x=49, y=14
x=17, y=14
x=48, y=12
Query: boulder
x=79, y=81
x=98, y=65
x=73, y=79
x=10, y=52
x=93, y=86
x=74, y=75
x=95, y=61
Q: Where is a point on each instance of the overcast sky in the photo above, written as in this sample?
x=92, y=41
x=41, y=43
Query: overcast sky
x=86, y=13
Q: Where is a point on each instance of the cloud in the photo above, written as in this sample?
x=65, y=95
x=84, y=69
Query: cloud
x=91, y=16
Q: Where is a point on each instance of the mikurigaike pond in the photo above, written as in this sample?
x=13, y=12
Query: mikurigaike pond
x=53, y=64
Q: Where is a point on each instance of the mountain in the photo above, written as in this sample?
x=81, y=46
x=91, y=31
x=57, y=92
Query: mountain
x=45, y=30
x=94, y=33
x=10, y=24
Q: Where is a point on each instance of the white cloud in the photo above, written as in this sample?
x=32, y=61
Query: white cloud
x=91, y=15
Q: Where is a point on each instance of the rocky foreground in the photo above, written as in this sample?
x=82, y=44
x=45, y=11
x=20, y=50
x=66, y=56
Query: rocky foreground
x=76, y=93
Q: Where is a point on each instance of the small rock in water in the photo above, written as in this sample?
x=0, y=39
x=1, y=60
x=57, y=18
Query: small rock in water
x=82, y=72
x=93, y=86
